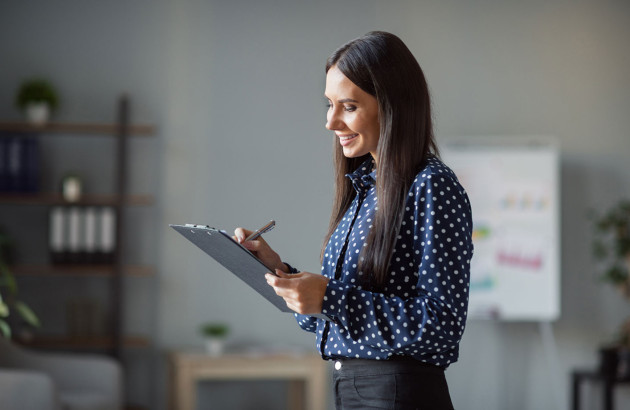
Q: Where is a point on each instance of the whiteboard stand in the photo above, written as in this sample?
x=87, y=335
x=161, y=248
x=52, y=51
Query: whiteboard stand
x=553, y=363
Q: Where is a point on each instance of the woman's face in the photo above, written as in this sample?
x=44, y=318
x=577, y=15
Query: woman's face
x=352, y=115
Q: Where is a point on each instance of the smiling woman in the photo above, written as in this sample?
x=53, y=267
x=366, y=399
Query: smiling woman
x=352, y=115
x=396, y=261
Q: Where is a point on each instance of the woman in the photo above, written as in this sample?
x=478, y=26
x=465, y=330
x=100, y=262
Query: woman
x=395, y=271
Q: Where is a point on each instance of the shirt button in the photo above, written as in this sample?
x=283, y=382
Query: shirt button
x=337, y=365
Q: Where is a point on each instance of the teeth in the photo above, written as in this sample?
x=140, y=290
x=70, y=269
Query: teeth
x=347, y=138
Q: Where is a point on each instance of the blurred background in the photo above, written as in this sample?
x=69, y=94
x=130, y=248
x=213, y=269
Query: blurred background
x=234, y=91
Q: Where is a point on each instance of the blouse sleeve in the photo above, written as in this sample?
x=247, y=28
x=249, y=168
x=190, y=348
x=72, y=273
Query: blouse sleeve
x=308, y=323
x=434, y=276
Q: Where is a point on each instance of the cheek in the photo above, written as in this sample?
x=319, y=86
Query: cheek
x=369, y=127
x=358, y=124
x=377, y=130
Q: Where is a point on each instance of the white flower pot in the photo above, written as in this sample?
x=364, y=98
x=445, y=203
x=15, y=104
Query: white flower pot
x=37, y=113
x=215, y=346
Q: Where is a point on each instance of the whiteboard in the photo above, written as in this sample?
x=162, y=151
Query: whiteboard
x=513, y=187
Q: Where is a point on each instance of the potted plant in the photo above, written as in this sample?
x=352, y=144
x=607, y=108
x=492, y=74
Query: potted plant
x=611, y=248
x=9, y=303
x=37, y=99
x=214, y=334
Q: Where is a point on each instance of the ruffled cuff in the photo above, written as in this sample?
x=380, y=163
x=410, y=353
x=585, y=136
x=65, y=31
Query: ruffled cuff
x=291, y=268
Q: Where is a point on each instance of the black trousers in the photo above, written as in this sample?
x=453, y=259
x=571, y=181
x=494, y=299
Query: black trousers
x=397, y=384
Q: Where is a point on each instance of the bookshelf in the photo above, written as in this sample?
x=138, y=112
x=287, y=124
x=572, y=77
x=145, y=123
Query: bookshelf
x=111, y=274
x=83, y=129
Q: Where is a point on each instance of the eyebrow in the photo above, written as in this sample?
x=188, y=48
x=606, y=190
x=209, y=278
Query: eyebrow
x=345, y=100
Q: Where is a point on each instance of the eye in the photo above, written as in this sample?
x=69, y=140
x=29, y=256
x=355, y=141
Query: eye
x=350, y=108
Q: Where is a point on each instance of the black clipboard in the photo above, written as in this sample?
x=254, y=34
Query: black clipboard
x=235, y=258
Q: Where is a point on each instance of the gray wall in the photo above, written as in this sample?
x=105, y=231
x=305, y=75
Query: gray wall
x=236, y=91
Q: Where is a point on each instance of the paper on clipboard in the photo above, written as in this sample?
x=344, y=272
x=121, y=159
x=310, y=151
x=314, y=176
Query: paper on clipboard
x=235, y=258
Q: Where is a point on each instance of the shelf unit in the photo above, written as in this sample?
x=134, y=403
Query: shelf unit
x=114, y=341
x=51, y=199
x=80, y=270
x=87, y=129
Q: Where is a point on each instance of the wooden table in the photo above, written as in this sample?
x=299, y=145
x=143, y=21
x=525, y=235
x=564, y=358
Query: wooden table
x=306, y=373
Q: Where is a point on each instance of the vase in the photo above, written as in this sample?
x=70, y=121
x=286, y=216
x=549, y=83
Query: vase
x=37, y=113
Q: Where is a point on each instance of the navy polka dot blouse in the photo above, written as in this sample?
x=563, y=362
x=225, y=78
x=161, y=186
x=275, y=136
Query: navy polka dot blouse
x=421, y=311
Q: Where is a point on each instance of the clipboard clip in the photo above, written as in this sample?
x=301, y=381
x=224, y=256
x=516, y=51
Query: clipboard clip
x=199, y=226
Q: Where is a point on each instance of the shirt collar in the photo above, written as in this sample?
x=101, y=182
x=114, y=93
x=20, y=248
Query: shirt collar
x=364, y=177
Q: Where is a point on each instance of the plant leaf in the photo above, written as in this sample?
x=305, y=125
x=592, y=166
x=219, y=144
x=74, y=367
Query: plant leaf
x=7, y=279
x=4, y=309
x=27, y=314
x=616, y=274
x=5, y=329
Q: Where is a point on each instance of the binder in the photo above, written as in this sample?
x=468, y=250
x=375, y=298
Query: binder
x=235, y=258
x=4, y=164
x=57, y=239
x=106, y=238
x=15, y=164
x=89, y=234
x=31, y=164
x=75, y=239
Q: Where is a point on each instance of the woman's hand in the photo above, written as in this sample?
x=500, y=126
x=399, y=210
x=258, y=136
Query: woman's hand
x=260, y=249
x=303, y=292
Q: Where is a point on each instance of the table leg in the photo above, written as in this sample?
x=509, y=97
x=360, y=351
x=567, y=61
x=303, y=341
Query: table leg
x=608, y=394
x=575, y=396
x=183, y=393
x=315, y=387
x=296, y=396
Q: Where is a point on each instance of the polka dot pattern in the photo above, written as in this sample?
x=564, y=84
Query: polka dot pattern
x=421, y=311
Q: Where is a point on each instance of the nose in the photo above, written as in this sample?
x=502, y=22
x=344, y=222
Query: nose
x=333, y=122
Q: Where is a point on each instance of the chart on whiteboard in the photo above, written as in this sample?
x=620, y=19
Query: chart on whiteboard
x=513, y=190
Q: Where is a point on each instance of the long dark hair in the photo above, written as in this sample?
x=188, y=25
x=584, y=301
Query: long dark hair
x=381, y=64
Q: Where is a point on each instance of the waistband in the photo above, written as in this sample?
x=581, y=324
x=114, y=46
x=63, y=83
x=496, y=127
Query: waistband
x=394, y=364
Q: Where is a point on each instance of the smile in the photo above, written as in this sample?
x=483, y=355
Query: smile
x=346, y=139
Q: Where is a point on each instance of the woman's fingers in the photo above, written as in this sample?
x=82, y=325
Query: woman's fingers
x=240, y=234
x=281, y=283
x=259, y=247
x=285, y=275
x=254, y=245
x=302, y=292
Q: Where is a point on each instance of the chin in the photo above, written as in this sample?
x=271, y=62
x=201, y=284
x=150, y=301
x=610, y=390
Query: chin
x=350, y=153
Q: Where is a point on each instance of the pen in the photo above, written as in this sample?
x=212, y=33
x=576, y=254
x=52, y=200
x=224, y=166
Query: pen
x=261, y=231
